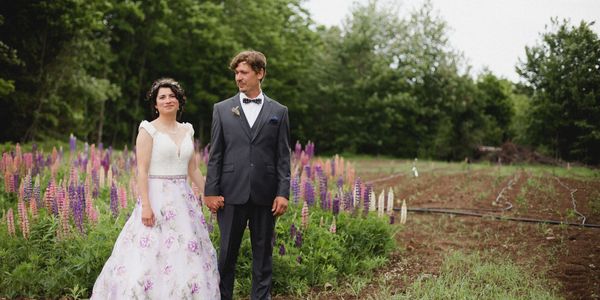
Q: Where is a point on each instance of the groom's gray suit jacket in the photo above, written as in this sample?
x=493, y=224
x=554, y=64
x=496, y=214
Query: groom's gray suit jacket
x=249, y=163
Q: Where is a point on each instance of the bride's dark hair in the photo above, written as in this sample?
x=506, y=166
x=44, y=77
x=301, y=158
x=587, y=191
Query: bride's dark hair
x=175, y=88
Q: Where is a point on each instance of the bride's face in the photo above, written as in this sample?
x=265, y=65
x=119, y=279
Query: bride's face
x=166, y=102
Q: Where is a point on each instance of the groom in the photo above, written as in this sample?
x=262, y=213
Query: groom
x=248, y=177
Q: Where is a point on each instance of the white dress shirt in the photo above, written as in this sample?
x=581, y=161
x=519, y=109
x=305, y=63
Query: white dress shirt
x=251, y=110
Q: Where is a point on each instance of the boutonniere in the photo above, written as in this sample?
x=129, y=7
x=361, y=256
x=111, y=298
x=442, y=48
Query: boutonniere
x=274, y=120
x=236, y=110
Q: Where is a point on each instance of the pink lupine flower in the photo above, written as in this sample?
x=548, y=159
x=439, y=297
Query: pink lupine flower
x=305, y=215
x=10, y=221
x=33, y=208
x=24, y=219
x=122, y=197
x=11, y=183
x=21, y=191
x=50, y=195
x=7, y=178
x=28, y=160
x=63, y=212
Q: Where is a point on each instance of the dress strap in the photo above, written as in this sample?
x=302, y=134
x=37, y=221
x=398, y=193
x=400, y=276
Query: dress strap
x=148, y=127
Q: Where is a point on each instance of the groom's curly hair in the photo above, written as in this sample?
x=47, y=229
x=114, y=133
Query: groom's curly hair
x=255, y=59
x=175, y=88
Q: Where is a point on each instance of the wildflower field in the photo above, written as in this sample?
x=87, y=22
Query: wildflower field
x=61, y=211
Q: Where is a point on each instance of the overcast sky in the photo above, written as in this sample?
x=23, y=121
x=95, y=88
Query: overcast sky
x=490, y=33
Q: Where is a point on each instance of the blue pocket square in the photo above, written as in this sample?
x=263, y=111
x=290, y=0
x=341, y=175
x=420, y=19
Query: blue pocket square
x=274, y=120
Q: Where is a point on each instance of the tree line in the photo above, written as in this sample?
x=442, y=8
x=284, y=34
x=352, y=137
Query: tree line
x=378, y=84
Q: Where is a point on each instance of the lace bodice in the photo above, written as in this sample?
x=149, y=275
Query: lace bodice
x=167, y=158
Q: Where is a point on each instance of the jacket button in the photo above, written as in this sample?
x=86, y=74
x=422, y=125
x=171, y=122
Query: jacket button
x=251, y=164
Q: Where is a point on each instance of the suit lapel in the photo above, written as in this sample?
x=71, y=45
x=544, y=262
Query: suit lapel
x=235, y=102
x=265, y=112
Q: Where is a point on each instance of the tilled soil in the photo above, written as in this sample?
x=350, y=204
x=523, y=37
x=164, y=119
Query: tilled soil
x=567, y=255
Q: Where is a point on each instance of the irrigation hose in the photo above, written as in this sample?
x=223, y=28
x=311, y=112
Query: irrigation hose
x=496, y=217
x=572, y=191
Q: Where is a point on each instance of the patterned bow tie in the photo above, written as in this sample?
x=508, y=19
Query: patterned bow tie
x=248, y=100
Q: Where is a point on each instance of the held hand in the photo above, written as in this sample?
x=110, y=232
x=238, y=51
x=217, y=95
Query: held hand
x=279, y=206
x=148, y=216
x=214, y=203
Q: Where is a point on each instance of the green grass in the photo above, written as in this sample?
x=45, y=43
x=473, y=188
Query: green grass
x=594, y=200
x=480, y=276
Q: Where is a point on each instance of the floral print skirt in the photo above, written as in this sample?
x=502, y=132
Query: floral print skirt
x=175, y=259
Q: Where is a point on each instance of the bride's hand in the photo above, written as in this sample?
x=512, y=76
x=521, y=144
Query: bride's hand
x=147, y=216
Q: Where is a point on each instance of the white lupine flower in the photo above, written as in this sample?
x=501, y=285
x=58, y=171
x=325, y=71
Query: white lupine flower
x=403, y=212
x=372, y=203
x=381, y=203
x=390, y=203
x=414, y=168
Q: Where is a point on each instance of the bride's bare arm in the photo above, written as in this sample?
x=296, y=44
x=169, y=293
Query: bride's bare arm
x=195, y=174
x=143, y=147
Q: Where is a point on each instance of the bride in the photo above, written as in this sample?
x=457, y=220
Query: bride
x=163, y=251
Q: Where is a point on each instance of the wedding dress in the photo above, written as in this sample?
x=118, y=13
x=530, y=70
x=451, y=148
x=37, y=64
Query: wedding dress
x=175, y=258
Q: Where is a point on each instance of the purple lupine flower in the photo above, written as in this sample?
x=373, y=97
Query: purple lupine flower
x=340, y=183
x=36, y=193
x=299, y=259
x=78, y=208
x=323, y=190
x=348, y=204
x=114, y=200
x=366, y=200
x=307, y=171
x=336, y=205
x=296, y=189
x=205, y=154
x=281, y=250
x=297, y=150
x=307, y=149
x=293, y=230
x=298, y=241
x=309, y=193
x=210, y=226
x=15, y=182
x=72, y=143
x=106, y=162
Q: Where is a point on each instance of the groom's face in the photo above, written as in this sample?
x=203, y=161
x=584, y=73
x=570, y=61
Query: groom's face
x=247, y=80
